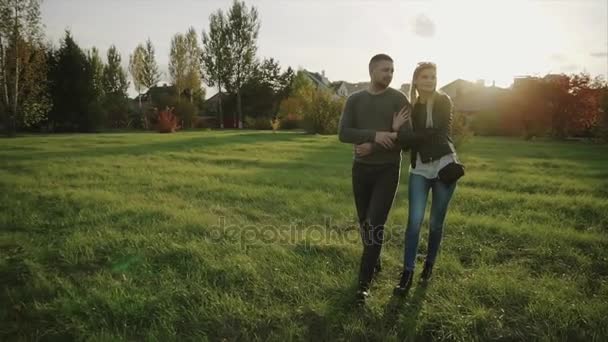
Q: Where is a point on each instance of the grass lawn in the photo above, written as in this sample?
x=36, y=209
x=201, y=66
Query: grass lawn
x=251, y=236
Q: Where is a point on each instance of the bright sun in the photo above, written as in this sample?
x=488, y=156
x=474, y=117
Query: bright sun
x=497, y=40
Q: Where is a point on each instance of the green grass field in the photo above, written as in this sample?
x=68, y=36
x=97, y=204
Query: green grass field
x=252, y=236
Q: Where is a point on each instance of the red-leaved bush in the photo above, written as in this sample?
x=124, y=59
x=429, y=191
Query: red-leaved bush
x=167, y=121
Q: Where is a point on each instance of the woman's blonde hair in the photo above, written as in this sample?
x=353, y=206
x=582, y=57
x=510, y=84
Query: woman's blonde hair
x=414, y=91
x=419, y=68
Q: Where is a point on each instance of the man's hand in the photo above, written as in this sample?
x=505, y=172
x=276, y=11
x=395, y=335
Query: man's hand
x=401, y=117
x=363, y=150
x=386, y=139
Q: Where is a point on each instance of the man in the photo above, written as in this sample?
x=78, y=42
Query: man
x=370, y=120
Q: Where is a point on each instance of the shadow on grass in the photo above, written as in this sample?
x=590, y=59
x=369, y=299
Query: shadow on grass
x=174, y=145
x=345, y=318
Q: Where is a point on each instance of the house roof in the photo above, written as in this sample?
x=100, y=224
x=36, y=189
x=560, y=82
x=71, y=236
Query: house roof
x=479, y=99
x=350, y=87
x=354, y=87
x=216, y=97
x=318, y=79
x=336, y=85
x=458, y=87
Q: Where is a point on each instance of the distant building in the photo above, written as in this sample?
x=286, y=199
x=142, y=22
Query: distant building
x=473, y=97
x=318, y=79
x=345, y=89
x=405, y=88
x=211, y=109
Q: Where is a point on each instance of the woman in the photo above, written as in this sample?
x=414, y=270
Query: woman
x=431, y=116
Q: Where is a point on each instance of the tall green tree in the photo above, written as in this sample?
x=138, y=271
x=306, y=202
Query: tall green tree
x=115, y=85
x=266, y=88
x=145, y=74
x=22, y=64
x=114, y=76
x=216, y=57
x=136, y=65
x=243, y=29
x=150, y=73
x=178, y=63
x=96, y=66
x=72, y=88
x=193, y=75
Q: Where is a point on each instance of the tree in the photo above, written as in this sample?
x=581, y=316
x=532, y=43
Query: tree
x=301, y=92
x=243, y=28
x=216, y=56
x=22, y=64
x=266, y=88
x=536, y=107
x=585, y=110
x=559, y=100
x=178, y=63
x=150, y=74
x=136, y=65
x=559, y=105
x=322, y=112
x=73, y=89
x=574, y=103
x=95, y=68
x=36, y=101
x=115, y=87
x=302, y=86
x=193, y=68
x=319, y=109
x=283, y=87
x=114, y=76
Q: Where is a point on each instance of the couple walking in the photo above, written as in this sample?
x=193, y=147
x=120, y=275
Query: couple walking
x=380, y=122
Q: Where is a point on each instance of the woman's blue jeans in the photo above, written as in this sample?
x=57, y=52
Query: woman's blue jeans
x=419, y=187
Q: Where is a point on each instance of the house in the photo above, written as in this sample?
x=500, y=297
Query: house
x=340, y=88
x=405, y=88
x=211, y=109
x=458, y=88
x=318, y=79
x=161, y=94
x=473, y=97
x=156, y=92
x=345, y=89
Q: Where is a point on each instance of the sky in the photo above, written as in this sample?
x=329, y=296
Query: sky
x=490, y=40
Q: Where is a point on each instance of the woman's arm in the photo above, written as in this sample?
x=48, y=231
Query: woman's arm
x=442, y=115
x=377, y=147
x=408, y=138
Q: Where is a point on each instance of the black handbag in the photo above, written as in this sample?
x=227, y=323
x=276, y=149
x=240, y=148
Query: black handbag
x=451, y=172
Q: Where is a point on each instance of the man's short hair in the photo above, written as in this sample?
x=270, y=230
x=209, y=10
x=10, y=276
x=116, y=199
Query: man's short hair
x=378, y=58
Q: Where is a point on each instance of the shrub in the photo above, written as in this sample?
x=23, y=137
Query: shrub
x=486, y=123
x=186, y=112
x=205, y=122
x=167, y=121
x=291, y=121
x=322, y=113
x=259, y=123
x=460, y=130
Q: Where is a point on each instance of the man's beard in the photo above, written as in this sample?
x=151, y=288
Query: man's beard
x=383, y=84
